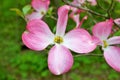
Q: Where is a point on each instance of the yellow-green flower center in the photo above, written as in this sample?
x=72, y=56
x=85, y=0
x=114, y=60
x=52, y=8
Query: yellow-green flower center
x=105, y=44
x=42, y=12
x=58, y=39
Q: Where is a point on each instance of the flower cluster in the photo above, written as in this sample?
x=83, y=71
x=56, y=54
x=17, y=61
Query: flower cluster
x=38, y=36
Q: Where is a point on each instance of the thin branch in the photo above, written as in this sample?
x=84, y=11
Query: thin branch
x=92, y=17
x=100, y=55
x=64, y=77
x=54, y=18
x=85, y=9
x=99, y=5
x=110, y=8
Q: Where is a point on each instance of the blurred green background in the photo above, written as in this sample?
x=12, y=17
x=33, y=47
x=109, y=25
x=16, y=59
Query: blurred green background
x=19, y=63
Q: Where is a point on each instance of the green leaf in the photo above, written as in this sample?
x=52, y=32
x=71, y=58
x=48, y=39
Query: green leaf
x=50, y=10
x=18, y=12
x=24, y=74
x=44, y=73
x=26, y=9
x=117, y=33
x=23, y=67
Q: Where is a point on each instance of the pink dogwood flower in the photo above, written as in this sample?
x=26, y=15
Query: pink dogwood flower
x=38, y=36
x=102, y=31
x=40, y=7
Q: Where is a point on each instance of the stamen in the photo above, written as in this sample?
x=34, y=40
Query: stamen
x=26, y=32
x=105, y=44
x=42, y=12
x=58, y=39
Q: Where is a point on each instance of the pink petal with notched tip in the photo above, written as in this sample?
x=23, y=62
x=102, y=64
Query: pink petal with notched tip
x=34, y=15
x=62, y=20
x=103, y=29
x=38, y=36
x=38, y=26
x=40, y=4
x=60, y=60
x=114, y=40
x=112, y=56
x=35, y=42
x=79, y=40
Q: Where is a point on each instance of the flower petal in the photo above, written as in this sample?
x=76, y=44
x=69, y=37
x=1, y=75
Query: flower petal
x=38, y=26
x=62, y=20
x=78, y=2
x=60, y=60
x=114, y=40
x=75, y=15
x=40, y=4
x=34, y=15
x=93, y=2
x=117, y=21
x=38, y=36
x=81, y=22
x=79, y=40
x=118, y=0
x=112, y=56
x=34, y=42
x=97, y=41
x=103, y=29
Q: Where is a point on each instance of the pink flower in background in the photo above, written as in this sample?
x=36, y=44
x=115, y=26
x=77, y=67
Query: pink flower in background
x=80, y=2
x=40, y=7
x=38, y=36
x=118, y=0
x=75, y=15
x=93, y=2
x=102, y=31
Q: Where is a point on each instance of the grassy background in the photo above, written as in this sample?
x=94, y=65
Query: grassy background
x=19, y=63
